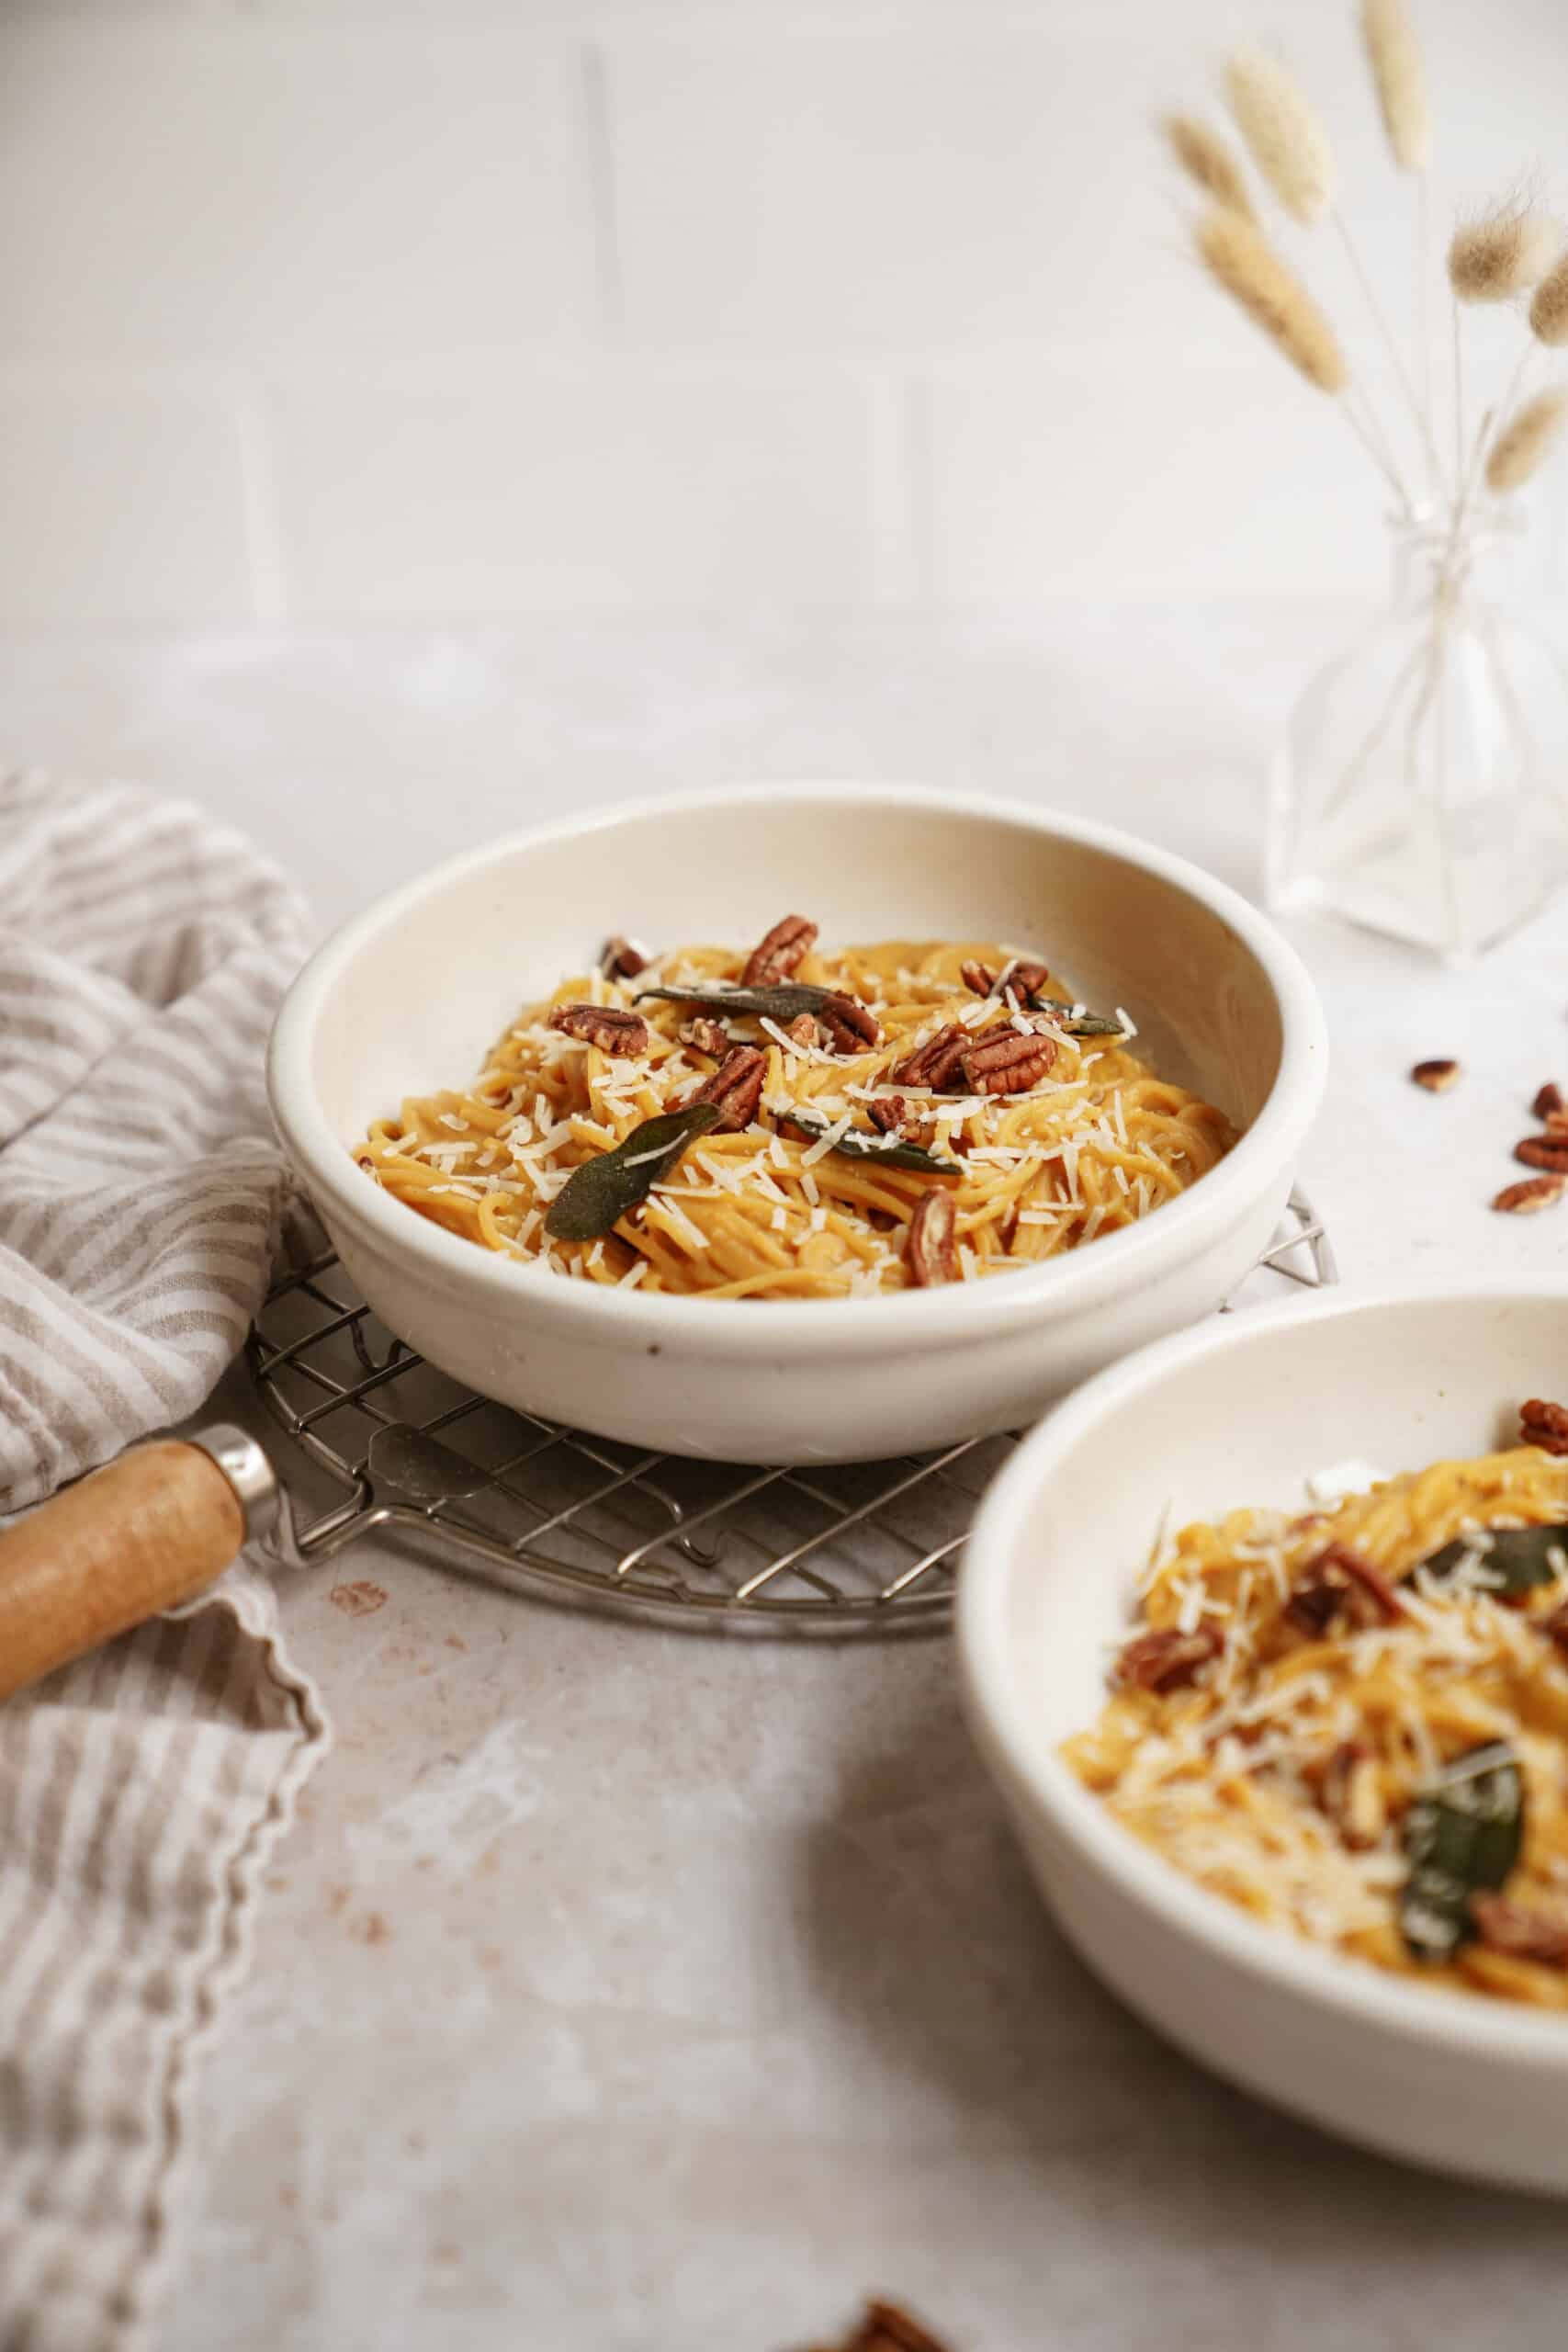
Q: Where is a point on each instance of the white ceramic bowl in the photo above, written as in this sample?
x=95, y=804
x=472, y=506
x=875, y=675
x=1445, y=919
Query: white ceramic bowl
x=1238, y=1413
x=407, y=996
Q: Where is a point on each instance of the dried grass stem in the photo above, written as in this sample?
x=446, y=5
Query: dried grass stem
x=1402, y=374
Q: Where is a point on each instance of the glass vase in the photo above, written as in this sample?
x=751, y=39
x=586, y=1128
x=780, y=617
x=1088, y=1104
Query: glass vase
x=1421, y=789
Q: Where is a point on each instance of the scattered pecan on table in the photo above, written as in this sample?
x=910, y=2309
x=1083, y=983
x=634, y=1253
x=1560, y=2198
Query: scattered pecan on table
x=736, y=1086
x=887, y=2328
x=705, y=1037
x=937, y=1063
x=1437, y=1077
x=1535, y=1193
x=1340, y=1583
x=1004, y=1061
x=848, y=1023
x=621, y=959
x=1168, y=1659
x=1519, y=1933
x=930, y=1251
x=1548, y=1151
x=603, y=1025
x=1544, y=1424
x=779, y=953
x=1348, y=1793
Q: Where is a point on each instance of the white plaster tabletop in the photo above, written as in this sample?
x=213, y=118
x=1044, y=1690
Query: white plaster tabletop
x=628, y=1991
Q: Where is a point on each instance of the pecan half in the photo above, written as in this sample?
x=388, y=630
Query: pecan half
x=1003, y=1061
x=779, y=953
x=1548, y=1100
x=1168, y=1659
x=1544, y=1151
x=1337, y=1584
x=621, y=959
x=851, y=1026
x=890, y=1116
x=933, y=1066
x=736, y=1086
x=1348, y=1793
x=1024, y=976
x=1522, y=1934
x=930, y=1251
x=1436, y=1077
x=705, y=1037
x=1544, y=1424
x=604, y=1026
x=886, y=2328
x=1535, y=1192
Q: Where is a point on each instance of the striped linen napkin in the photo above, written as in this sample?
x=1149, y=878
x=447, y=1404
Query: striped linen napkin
x=142, y=949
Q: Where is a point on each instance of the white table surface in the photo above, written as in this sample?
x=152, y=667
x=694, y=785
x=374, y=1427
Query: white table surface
x=623, y=1991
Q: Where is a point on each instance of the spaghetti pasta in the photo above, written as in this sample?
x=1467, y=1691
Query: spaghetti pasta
x=1302, y=1692
x=774, y=1207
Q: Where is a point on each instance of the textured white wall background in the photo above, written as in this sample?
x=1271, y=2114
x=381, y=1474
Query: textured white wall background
x=318, y=310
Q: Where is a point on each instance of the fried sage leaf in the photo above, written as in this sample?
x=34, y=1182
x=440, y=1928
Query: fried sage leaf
x=598, y=1195
x=1514, y=1559
x=783, y=1002
x=1076, y=1023
x=1462, y=1838
x=787, y=1000
x=859, y=1143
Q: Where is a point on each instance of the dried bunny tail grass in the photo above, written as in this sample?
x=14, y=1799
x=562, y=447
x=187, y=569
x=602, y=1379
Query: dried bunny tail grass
x=1395, y=55
x=1283, y=135
x=1239, y=257
x=1502, y=253
x=1208, y=162
x=1525, y=440
x=1549, y=311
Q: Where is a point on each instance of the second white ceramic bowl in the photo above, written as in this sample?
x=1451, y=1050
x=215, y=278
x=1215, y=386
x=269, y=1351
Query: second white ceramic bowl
x=1239, y=1412
x=407, y=998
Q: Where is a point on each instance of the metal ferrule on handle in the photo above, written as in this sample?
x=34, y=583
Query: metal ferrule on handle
x=246, y=1465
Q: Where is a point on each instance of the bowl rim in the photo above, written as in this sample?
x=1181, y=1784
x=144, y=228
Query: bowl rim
x=1437, y=2016
x=950, y=1312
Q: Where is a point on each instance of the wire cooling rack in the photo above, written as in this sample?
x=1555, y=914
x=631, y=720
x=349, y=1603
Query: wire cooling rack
x=856, y=1548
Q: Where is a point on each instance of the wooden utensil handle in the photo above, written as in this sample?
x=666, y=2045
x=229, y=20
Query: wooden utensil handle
x=140, y=1536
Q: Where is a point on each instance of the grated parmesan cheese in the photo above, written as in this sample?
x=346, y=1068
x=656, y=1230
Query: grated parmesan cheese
x=825, y=1143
